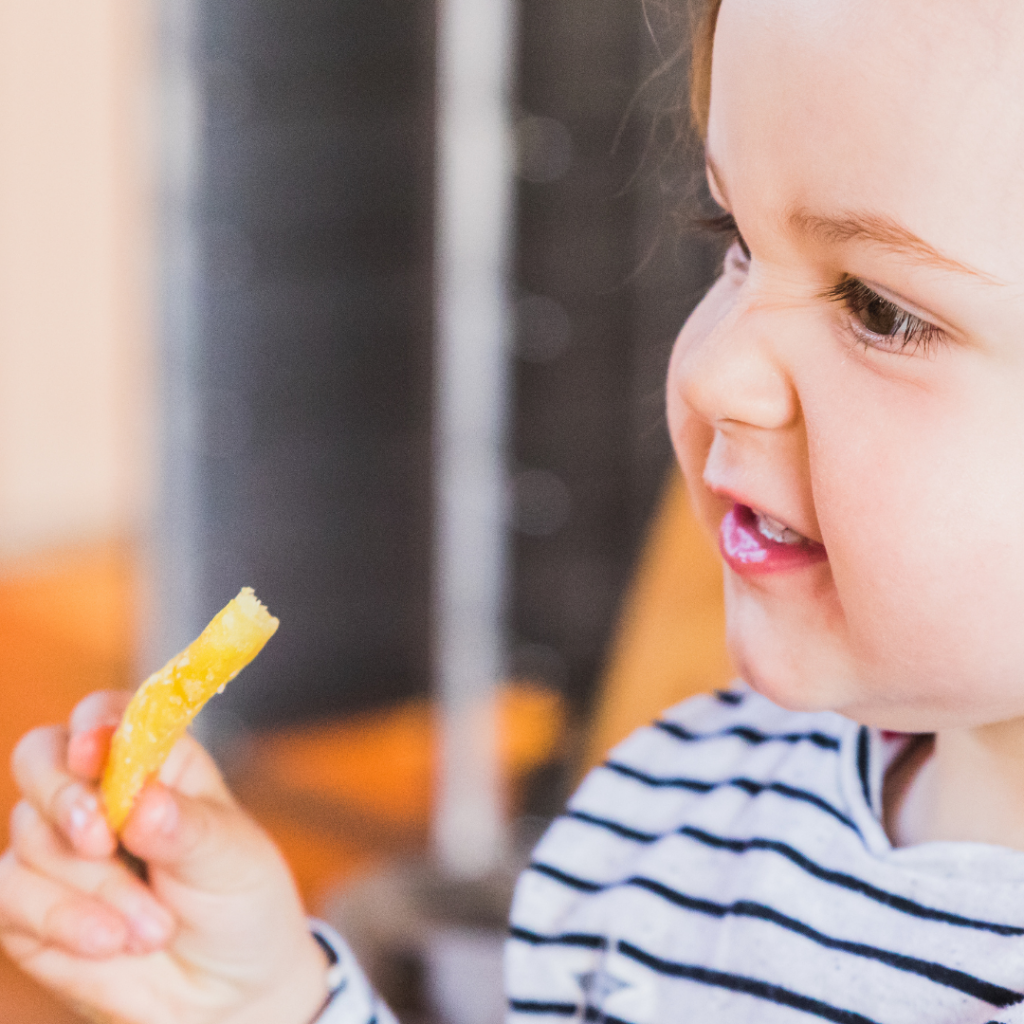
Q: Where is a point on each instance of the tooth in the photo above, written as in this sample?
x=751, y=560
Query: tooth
x=776, y=531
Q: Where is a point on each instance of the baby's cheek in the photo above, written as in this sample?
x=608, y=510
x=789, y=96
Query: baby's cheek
x=932, y=623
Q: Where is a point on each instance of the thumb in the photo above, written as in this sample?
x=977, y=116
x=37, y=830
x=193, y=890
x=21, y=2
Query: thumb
x=202, y=842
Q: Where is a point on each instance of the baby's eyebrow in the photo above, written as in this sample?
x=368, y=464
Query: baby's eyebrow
x=865, y=227
x=884, y=231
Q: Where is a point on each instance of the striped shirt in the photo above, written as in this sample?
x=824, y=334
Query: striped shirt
x=728, y=865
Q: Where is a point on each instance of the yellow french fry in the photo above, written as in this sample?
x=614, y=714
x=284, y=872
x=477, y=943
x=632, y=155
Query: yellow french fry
x=165, y=704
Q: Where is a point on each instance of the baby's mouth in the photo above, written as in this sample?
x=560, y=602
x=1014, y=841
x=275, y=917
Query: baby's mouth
x=753, y=543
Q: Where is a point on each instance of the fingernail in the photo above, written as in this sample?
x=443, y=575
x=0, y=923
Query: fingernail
x=101, y=937
x=150, y=930
x=86, y=826
x=160, y=812
x=84, y=813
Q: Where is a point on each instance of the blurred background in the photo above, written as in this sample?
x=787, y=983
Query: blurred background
x=367, y=306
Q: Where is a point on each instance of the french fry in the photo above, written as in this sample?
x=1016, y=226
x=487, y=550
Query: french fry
x=165, y=704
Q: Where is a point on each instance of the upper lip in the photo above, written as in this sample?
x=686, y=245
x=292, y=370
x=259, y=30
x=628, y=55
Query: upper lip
x=740, y=499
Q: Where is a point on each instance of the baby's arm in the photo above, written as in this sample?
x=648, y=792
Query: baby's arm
x=217, y=936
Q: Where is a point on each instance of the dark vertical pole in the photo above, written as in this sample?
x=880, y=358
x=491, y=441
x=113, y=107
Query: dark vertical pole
x=305, y=461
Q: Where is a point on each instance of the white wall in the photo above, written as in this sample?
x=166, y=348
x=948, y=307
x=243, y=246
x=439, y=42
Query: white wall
x=75, y=345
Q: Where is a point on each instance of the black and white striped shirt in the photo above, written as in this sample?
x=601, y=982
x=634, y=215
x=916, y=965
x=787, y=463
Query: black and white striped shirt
x=728, y=865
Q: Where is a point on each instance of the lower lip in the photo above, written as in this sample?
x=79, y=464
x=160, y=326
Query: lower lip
x=749, y=552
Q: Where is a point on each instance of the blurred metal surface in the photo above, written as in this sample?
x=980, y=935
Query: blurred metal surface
x=175, y=561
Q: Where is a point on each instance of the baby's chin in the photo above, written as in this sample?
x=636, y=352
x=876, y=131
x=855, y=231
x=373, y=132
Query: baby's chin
x=925, y=705
x=792, y=691
x=882, y=698
x=800, y=673
x=793, y=647
x=804, y=692
x=791, y=656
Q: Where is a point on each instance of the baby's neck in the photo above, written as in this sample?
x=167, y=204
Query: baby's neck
x=970, y=789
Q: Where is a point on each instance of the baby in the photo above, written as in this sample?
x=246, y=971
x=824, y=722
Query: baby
x=840, y=837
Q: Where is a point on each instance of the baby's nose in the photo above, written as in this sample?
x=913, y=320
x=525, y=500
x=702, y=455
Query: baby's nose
x=726, y=369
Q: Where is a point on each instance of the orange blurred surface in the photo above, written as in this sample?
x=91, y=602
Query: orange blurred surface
x=383, y=764
x=65, y=629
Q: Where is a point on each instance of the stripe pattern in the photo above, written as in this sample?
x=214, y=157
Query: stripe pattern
x=352, y=1000
x=727, y=865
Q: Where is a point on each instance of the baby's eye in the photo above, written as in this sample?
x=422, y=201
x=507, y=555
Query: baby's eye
x=880, y=323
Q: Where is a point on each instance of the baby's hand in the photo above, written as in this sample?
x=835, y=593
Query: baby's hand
x=217, y=935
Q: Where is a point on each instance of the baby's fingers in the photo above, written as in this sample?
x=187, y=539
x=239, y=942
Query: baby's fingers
x=40, y=849
x=92, y=725
x=100, y=708
x=39, y=763
x=37, y=913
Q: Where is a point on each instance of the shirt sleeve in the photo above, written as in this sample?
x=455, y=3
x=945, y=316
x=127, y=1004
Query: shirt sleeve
x=352, y=1000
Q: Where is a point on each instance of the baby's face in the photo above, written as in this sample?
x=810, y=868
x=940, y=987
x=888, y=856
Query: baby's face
x=860, y=380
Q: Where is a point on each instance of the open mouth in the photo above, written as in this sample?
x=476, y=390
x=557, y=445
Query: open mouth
x=753, y=542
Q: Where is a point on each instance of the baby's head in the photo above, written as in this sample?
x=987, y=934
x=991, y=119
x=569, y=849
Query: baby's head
x=860, y=379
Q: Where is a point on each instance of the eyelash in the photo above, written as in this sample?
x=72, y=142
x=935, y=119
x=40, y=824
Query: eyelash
x=724, y=224
x=905, y=333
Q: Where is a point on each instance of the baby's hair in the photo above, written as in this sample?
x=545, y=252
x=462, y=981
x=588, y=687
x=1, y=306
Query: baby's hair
x=704, y=18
